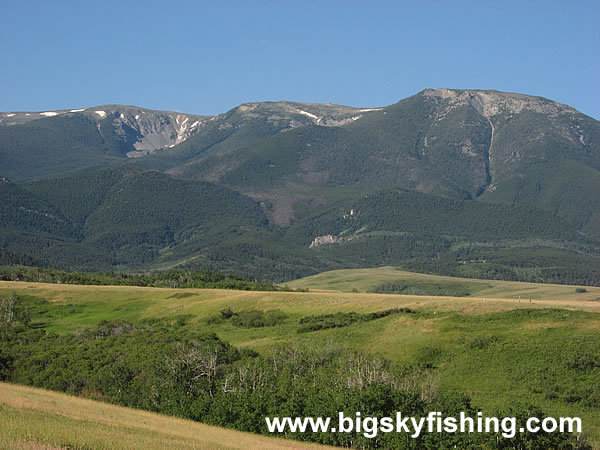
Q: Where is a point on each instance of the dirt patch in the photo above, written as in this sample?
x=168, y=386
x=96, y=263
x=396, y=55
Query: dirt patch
x=541, y=325
x=58, y=298
x=282, y=209
x=590, y=325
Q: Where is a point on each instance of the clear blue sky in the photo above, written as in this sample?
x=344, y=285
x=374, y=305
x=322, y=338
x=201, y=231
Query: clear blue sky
x=206, y=57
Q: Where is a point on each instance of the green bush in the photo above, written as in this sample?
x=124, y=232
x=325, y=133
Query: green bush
x=340, y=319
x=249, y=319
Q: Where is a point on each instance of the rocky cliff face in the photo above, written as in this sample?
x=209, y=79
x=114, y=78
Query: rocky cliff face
x=324, y=240
x=154, y=130
x=141, y=130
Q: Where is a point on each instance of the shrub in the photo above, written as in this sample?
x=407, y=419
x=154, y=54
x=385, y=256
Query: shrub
x=340, y=319
x=257, y=319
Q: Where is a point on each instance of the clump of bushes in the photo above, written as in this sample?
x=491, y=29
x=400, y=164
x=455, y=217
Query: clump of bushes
x=251, y=318
x=452, y=290
x=340, y=319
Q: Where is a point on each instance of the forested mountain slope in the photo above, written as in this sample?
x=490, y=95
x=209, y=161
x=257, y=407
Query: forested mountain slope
x=121, y=217
x=461, y=144
x=479, y=183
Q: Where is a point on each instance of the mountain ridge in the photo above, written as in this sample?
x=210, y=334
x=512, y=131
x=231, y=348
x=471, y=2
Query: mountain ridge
x=488, y=176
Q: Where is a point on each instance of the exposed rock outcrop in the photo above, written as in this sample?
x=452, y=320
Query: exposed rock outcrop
x=324, y=240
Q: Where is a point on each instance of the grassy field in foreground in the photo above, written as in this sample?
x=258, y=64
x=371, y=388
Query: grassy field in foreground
x=495, y=349
x=368, y=280
x=37, y=418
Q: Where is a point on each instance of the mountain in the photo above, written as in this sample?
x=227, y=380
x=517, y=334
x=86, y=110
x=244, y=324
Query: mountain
x=50, y=143
x=34, y=145
x=468, y=182
x=459, y=144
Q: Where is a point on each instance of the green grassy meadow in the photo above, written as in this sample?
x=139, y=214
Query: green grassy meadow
x=489, y=344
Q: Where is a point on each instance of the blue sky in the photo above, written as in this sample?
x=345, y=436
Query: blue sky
x=207, y=57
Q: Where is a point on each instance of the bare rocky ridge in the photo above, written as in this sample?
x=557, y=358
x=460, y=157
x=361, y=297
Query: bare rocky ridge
x=498, y=108
x=147, y=131
x=492, y=103
x=156, y=130
x=299, y=114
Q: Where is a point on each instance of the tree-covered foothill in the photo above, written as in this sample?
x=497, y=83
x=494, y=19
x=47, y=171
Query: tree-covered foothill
x=161, y=365
x=130, y=220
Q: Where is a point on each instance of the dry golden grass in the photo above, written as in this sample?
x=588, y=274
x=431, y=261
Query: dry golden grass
x=38, y=419
x=497, y=298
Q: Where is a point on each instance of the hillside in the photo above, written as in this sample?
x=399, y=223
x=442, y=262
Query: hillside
x=455, y=143
x=392, y=280
x=134, y=219
x=37, y=418
x=313, y=353
x=103, y=219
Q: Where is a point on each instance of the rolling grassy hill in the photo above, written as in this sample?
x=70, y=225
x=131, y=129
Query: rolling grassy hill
x=370, y=280
x=489, y=345
x=37, y=418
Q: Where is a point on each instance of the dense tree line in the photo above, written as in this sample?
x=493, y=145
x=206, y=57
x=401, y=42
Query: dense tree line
x=171, y=279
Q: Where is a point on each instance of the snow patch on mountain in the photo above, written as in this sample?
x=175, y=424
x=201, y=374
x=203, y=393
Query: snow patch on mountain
x=306, y=113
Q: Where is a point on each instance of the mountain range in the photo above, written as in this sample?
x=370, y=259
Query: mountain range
x=467, y=182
